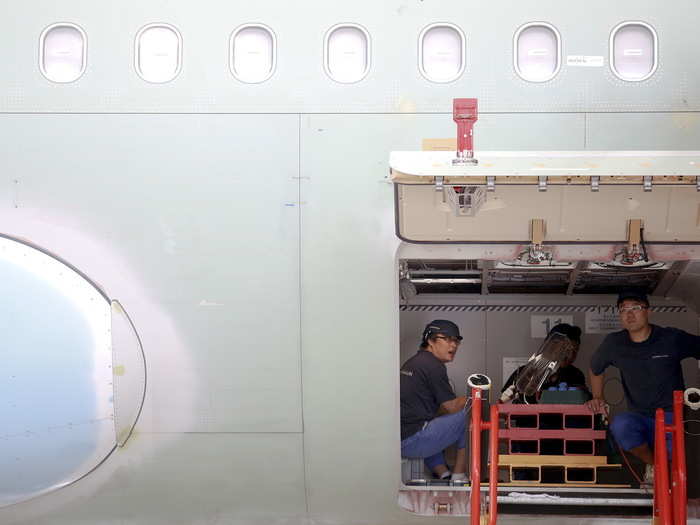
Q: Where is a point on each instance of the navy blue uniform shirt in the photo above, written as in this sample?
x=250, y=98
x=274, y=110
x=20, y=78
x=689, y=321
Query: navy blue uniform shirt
x=650, y=370
x=424, y=387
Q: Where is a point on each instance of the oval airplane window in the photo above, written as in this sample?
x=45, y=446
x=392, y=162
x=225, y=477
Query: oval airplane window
x=347, y=53
x=252, y=53
x=441, y=52
x=59, y=387
x=633, y=51
x=158, y=53
x=63, y=52
x=537, y=52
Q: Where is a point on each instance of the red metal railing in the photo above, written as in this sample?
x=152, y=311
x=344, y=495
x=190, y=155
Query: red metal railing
x=670, y=496
x=477, y=426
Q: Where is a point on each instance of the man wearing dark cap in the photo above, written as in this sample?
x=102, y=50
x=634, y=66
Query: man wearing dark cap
x=566, y=373
x=649, y=359
x=432, y=416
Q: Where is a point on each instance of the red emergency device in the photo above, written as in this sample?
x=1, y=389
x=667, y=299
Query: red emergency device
x=465, y=113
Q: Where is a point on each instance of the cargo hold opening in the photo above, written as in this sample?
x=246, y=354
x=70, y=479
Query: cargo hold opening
x=504, y=309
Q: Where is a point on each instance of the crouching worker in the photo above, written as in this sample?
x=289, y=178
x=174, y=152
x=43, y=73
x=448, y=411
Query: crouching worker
x=432, y=416
x=649, y=359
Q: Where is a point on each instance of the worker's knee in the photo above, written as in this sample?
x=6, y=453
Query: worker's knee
x=630, y=430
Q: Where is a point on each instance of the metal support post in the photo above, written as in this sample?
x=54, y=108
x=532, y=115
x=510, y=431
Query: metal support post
x=475, y=435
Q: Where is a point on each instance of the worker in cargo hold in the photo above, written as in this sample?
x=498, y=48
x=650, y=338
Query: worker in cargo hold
x=649, y=359
x=432, y=416
x=566, y=374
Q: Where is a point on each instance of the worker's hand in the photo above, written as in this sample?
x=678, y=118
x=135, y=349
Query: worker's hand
x=597, y=404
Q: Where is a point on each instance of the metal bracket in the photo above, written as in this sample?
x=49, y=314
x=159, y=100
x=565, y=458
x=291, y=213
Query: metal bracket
x=439, y=183
x=491, y=183
x=647, y=182
x=595, y=183
x=542, y=183
x=632, y=252
x=442, y=508
x=535, y=254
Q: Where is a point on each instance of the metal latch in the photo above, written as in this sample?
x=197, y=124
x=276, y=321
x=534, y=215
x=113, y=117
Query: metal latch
x=442, y=508
x=465, y=114
x=439, y=183
x=633, y=252
x=491, y=183
x=536, y=253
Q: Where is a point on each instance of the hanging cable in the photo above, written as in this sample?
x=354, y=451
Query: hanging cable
x=690, y=421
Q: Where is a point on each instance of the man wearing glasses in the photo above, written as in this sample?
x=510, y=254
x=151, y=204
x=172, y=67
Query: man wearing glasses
x=432, y=416
x=649, y=359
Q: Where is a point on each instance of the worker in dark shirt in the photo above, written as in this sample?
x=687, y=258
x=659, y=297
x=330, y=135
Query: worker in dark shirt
x=432, y=416
x=566, y=373
x=649, y=359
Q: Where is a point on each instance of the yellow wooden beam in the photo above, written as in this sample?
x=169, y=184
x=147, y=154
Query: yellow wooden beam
x=561, y=461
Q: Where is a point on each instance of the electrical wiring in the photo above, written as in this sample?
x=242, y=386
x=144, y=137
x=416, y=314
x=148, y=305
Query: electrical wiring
x=621, y=398
x=690, y=421
x=631, y=470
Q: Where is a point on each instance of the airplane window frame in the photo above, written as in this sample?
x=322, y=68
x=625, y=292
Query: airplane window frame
x=368, y=52
x=42, y=39
x=463, y=64
x=232, y=38
x=611, y=49
x=516, y=37
x=140, y=32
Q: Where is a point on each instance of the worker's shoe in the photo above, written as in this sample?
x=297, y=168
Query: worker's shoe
x=459, y=478
x=648, y=475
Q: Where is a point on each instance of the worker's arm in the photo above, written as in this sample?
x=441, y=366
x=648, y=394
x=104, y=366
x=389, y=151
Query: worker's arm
x=598, y=402
x=452, y=406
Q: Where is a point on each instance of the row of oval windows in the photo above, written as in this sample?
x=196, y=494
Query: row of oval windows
x=347, y=52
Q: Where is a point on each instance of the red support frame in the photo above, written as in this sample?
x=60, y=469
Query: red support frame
x=680, y=476
x=670, y=496
x=477, y=426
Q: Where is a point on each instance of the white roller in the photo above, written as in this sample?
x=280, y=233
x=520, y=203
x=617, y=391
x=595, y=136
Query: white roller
x=695, y=392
